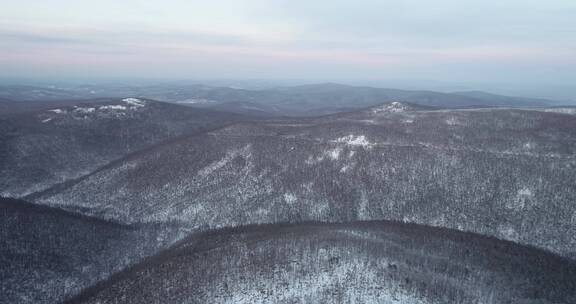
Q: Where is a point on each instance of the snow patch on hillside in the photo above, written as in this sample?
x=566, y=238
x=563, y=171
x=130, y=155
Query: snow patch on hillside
x=135, y=102
x=334, y=154
x=290, y=198
x=452, y=121
x=107, y=109
x=529, y=145
x=354, y=140
x=522, y=200
x=112, y=107
x=84, y=110
x=455, y=119
x=294, y=286
x=508, y=233
x=364, y=207
x=196, y=101
x=561, y=110
x=393, y=107
x=525, y=192
x=230, y=155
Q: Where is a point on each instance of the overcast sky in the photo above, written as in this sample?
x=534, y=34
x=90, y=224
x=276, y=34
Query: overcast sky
x=447, y=40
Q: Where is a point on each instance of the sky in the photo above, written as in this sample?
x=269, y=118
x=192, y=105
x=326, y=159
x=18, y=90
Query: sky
x=505, y=41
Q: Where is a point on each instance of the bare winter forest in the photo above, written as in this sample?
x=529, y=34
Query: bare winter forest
x=291, y=152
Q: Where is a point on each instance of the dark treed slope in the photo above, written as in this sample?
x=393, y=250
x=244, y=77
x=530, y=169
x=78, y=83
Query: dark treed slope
x=47, y=254
x=499, y=172
x=42, y=148
x=365, y=262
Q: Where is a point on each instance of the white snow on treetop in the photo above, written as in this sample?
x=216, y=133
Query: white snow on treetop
x=134, y=102
x=354, y=140
x=115, y=109
x=334, y=154
x=562, y=110
x=196, y=100
x=84, y=110
x=290, y=198
x=112, y=107
x=393, y=107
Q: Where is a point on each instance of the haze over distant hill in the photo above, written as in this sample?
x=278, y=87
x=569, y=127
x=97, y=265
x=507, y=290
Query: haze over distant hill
x=304, y=100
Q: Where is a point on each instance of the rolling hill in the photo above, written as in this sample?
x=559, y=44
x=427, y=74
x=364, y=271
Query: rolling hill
x=48, y=254
x=304, y=100
x=506, y=173
x=42, y=148
x=321, y=99
x=362, y=262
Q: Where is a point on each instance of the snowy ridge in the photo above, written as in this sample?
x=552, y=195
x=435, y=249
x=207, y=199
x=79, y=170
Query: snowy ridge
x=135, y=102
x=196, y=101
x=566, y=110
x=112, y=107
x=393, y=107
x=353, y=140
x=83, y=112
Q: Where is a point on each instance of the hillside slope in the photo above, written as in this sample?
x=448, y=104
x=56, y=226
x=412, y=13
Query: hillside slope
x=43, y=148
x=498, y=172
x=366, y=262
x=48, y=254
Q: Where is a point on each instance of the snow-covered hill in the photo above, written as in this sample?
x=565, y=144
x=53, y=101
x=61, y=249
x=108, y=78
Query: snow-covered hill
x=498, y=172
x=48, y=254
x=375, y=262
x=42, y=148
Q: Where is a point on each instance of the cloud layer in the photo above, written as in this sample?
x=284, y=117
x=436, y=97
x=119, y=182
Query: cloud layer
x=509, y=40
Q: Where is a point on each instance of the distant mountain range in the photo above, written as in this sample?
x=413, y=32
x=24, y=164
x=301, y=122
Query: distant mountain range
x=306, y=100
